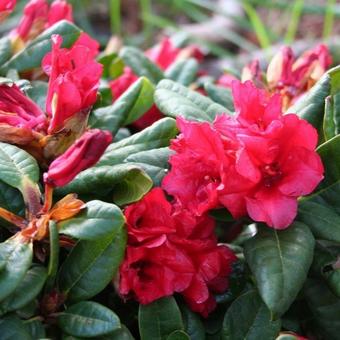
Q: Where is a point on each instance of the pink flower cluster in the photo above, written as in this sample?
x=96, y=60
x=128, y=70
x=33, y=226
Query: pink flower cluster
x=171, y=251
x=257, y=163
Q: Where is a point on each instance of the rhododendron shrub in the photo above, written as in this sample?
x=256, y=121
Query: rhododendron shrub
x=218, y=219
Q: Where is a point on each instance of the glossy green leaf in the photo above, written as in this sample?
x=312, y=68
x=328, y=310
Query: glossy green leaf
x=175, y=100
x=5, y=49
x=157, y=135
x=38, y=93
x=91, y=265
x=11, y=327
x=17, y=166
x=27, y=290
x=159, y=319
x=325, y=308
x=280, y=261
x=220, y=95
x=35, y=328
x=193, y=325
x=97, y=220
x=88, y=319
x=178, y=335
x=137, y=100
x=15, y=259
x=11, y=199
x=183, y=71
x=153, y=162
x=120, y=334
x=53, y=261
x=320, y=211
x=249, y=318
x=31, y=56
x=125, y=183
x=140, y=64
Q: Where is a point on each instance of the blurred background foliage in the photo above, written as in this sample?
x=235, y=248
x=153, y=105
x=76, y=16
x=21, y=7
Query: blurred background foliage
x=223, y=27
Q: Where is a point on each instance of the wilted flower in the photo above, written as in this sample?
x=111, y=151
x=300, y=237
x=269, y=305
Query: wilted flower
x=170, y=252
x=84, y=153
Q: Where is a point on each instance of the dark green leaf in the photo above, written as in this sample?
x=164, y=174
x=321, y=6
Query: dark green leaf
x=91, y=265
x=280, y=261
x=249, y=318
x=35, y=328
x=88, y=319
x=183, y=71
x=27, y=290
x=192, y=323
x=5, y=49
x=11, y=327
x=120, y=334
x=97, y=220
x=178, y=335
x=157, y=135
x=15, y=259
x=31, y=56
x=125, y=183
x=159, y=319
x=325, y=307
x=140, y=64
x=220, y=95
x=53, y=261
x=38, y=93
x=11, y=199
x=137, y=99
x=175, y=100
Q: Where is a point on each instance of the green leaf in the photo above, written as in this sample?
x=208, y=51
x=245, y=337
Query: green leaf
x=97, y=220
x=325, y=308
x=159, y=319
x=125, y=183
x=178, y=335
x=249, y=318
x=17, y=166
x=320, y=211
x=11, y=327
x=15, y=259
x=220, y=95
x=119, y=334
x=157, y=135
x=38, y=93
x=137, y=100
x=153, y=162
x=5, y=49
x=140, y=64
x=192, y=323
x=280, y=261
x=27, y=290
x=53, y=261
x=88, y=319
x=11, y=199
x=175, y=100
x=91, y=265
x=31, y=56
x=35, y=328
x=183, y=71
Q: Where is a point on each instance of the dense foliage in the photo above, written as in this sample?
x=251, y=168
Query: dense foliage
x=141, y=197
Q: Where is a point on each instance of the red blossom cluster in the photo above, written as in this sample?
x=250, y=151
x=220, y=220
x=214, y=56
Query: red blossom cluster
x=163, y=55
x=39, y=15
x=289, y=76
x=257, y=162
x=173, y=251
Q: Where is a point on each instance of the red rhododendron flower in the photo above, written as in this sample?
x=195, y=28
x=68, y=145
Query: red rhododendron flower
x=286, y=75
x=6, y=7
x=38, y=16
x=19, y=116
x=74, y=81
x=59, y=10
x=84, y=153
x=170, y=252
x=258, y=162
x=164, y=55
